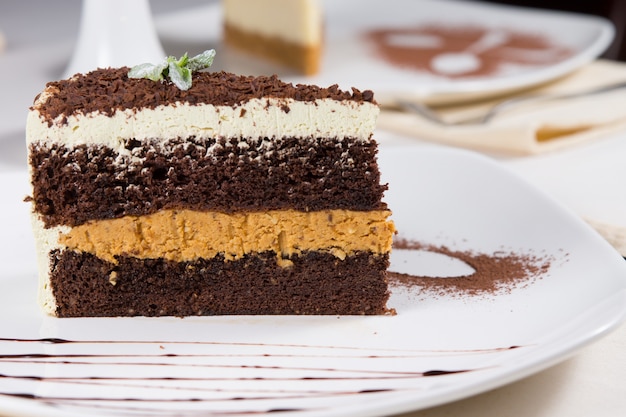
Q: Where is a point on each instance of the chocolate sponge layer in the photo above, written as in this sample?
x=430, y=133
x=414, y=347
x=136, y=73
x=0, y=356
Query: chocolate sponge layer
x=74, y=185
x=317, y=283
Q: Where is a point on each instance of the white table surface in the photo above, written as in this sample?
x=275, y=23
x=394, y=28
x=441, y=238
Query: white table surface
x=588, y=179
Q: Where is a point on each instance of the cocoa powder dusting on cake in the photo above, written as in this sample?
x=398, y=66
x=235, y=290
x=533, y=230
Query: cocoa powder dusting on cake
x=495, y=273
x=110, y=90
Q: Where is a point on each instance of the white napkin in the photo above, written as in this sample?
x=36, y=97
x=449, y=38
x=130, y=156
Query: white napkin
x=533, y=127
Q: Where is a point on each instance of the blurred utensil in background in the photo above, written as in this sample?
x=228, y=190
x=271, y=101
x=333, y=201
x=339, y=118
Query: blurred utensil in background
x=587, y=104
x=502, y=106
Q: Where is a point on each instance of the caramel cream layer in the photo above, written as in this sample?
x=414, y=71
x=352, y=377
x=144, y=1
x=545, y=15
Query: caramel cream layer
x=185, y=235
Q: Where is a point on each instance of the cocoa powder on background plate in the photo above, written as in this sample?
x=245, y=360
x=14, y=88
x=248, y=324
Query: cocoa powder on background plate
x=416, y=48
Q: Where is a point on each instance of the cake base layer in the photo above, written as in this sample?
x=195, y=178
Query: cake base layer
x=316, y=283
x=303, y=58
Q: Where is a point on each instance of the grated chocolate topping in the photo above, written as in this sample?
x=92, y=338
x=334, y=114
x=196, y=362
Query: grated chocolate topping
x=109, y=90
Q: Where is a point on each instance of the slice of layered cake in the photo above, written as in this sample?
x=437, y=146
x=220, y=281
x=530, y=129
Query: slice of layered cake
x=238, y=195
x=287, y=32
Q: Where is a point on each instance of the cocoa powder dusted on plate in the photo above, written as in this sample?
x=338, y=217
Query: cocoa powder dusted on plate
x=416, y=47
x=494, y=273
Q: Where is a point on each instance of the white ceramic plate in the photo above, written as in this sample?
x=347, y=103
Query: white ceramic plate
x=331, y=366
x=350, y=59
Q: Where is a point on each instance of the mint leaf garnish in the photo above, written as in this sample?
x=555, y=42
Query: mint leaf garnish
x=182, y=62
x=177, y=70
x=180, y=76
x=150, y=71
x=201, y=61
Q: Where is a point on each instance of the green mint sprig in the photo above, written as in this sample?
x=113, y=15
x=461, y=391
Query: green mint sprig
x=177, y=70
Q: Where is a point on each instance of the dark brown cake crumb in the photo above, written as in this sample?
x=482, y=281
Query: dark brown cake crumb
x=317, y=283
x=72, y=186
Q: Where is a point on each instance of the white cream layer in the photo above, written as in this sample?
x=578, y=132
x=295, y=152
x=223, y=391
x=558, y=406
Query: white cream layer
x=297, y=21
x=255, y=118
x=46, y=240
